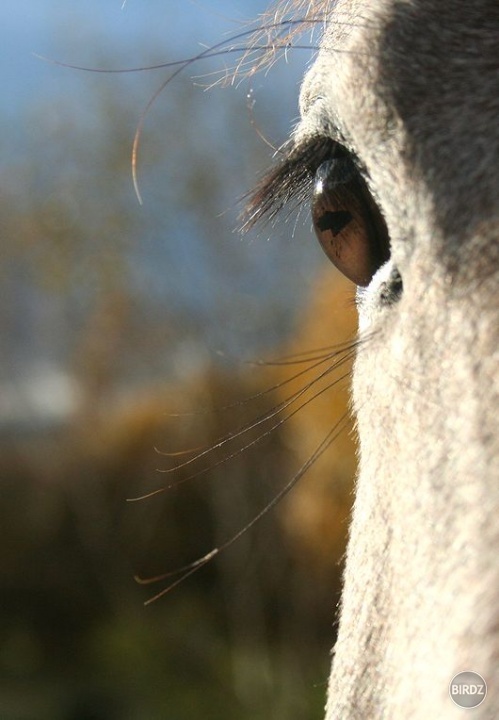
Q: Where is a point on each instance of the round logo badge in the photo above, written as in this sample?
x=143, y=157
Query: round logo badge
x=468, y=689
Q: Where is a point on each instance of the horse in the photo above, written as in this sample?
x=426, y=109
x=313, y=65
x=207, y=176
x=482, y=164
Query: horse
x=397, y=151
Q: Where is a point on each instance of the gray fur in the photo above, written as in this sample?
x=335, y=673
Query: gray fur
x=412, y=87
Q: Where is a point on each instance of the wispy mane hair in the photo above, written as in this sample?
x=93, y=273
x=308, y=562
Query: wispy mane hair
x=279, y=28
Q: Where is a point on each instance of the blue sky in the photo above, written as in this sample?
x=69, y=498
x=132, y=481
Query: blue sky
x=80, y=31
x=171, y=258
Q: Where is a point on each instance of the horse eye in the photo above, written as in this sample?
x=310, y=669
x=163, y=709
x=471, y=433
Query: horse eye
x=347, y=221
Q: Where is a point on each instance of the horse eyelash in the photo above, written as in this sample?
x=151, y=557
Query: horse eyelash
x=289, y=182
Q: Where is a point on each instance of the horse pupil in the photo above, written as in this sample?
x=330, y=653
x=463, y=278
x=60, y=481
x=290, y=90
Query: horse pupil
x=334, y=221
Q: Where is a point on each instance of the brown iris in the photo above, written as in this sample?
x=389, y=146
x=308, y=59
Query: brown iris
x=347, y=221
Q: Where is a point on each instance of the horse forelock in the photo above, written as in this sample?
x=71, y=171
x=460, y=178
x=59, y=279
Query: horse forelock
x=278, y=30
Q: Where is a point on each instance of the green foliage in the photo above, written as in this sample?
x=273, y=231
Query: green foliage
x=243, y=638
x=107, y=310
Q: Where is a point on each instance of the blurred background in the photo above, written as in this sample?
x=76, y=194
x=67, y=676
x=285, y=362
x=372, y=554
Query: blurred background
x=131, y=333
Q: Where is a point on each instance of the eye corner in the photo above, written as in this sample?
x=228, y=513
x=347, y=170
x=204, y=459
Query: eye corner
x=391, y=289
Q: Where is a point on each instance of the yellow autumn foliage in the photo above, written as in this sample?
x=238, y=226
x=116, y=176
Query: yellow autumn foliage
x=315, y=514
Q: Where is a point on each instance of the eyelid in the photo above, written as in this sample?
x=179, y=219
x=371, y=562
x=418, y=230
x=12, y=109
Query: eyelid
x=290, y=180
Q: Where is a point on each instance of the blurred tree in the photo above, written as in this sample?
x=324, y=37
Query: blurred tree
x=107, y=310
